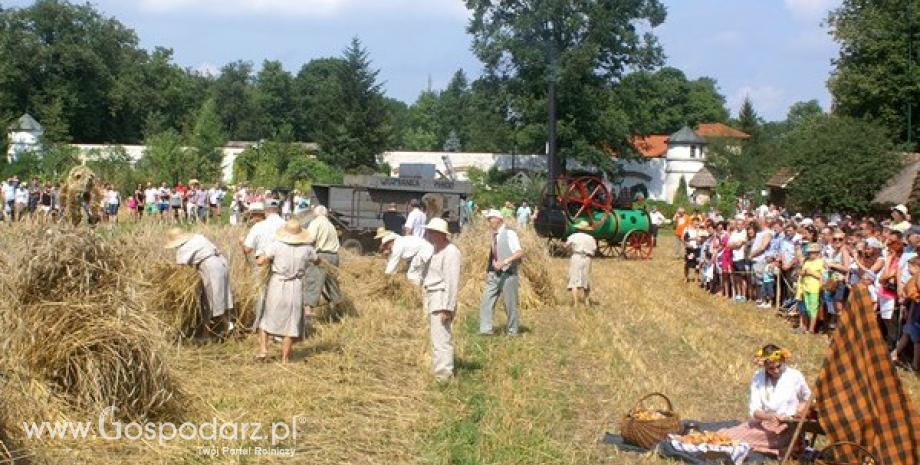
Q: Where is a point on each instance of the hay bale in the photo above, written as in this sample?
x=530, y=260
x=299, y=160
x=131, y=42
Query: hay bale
x=95, y=359
x=176, y=297
x=65, y=264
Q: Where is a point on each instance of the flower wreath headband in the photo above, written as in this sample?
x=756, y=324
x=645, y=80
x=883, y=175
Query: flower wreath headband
x=777, y=356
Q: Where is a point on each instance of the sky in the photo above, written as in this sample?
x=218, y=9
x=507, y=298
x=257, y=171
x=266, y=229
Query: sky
x=775, y=51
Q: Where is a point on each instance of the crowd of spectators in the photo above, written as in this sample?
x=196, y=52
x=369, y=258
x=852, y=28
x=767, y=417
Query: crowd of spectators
x=804, y=266
x=40, y=202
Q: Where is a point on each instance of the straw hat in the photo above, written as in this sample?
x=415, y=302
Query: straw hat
x=193, y=181
x=176, y=238
x=813, y=247
x=493, y=213
x=390, y=237
x=439, y=225
x=583, y=226
x=292, y=233
x=381, y=233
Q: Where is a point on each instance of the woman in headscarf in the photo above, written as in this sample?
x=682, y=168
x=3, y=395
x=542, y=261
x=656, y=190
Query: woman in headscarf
x=778, y=393
x=285, y=307
x=198, y=252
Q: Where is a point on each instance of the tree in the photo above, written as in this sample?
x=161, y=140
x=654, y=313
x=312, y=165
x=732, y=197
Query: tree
x=316, y=90
x=453, y=112
x=748, y=119
x=274, y=97
x=842, y=163
x=664, y=101
x=66, y=62
x=681, y=196
x=165, y=159
x=234, y=97
x=803, y=111
x=874, y=78
x=358, y=128
x=206, y=141
x=576, y=48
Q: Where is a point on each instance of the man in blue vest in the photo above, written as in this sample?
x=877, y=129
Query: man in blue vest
x=502, y=275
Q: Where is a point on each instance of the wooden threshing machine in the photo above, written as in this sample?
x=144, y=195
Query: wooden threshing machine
x=620, y=231
x=357, y=205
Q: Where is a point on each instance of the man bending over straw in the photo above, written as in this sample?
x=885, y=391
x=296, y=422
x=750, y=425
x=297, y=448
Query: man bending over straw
x=198, y=252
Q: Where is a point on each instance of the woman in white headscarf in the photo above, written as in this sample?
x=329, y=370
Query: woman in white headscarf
x=285, y=307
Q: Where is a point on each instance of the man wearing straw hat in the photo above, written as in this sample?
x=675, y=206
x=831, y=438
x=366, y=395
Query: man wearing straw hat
x=501, y=275
x=441, y=284
x=289, y=256
x=198, y=252
x=583, y=247
x=411, y=250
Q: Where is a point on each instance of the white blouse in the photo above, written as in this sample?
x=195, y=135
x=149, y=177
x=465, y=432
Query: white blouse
x=783, y=398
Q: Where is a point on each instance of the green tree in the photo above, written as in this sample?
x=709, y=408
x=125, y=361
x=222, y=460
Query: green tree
x=873, y=78
x=358, y=127
x=234, y=96
x=453, y=111
x=64, y=62
x=748, y=120
x=316, y=90
x=579, y=48
x=681, y=197
x=114, y=165
x=274, y=97
x=423, y=123
x=842, y=162
x=664, y=101
x=802, y=111
x=165, y=158
x=206, y=141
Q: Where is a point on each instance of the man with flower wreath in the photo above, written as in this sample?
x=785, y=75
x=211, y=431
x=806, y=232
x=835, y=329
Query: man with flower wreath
x=778, y=393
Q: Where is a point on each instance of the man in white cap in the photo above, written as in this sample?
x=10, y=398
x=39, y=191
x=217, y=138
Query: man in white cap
x=411, y=250
x=260, y=236
x=441, y=284
x=899, y=219
x=501, y=275
x=198, y=252
x=415, y=222
x=583, y=246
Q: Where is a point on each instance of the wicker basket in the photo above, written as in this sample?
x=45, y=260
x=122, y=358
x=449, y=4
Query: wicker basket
x=647, y=433
x=852, y=453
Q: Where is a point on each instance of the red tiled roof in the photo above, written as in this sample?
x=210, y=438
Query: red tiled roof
x=719, y=130
x=655, y=146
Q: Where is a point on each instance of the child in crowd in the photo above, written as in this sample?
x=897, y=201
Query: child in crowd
x=809, y=289
x=768, y=284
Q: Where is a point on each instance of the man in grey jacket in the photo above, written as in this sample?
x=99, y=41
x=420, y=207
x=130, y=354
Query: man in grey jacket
x=501, y=275
x=441, y=281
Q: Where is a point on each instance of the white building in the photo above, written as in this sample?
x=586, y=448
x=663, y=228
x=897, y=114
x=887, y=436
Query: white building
x=24, y=135
x=462, y=162
x=669, y=158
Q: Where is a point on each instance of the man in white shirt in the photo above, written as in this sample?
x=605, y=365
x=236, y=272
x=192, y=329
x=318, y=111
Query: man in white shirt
x=415, y=222
x=657, y=219
x=411, y=250
x=9, y=195
x=523, y=214
x=262, y=233
x=501, y=275
x=150, y=199
x=736, y=242
x=22, y=201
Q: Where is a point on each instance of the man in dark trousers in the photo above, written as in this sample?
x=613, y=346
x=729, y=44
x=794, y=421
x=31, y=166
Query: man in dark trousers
x=393, y=220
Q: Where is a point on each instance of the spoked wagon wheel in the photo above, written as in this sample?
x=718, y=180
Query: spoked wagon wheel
x=637, y=245
x=587, y=199
x=606, y=248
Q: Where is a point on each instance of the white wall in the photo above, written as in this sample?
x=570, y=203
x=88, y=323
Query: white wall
x=136, y=152
x=463, y=161
x=654, y=168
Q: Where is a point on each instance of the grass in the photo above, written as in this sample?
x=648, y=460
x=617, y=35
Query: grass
x=363, y=389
